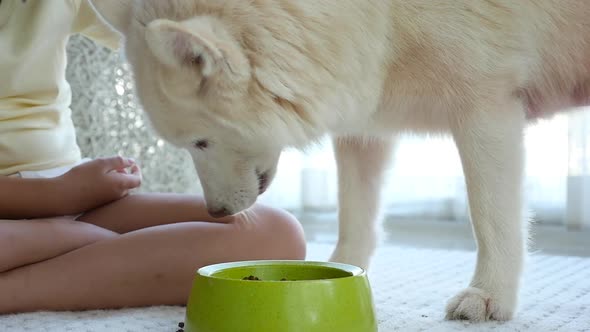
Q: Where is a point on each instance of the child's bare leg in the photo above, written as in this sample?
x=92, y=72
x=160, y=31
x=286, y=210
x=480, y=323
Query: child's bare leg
x=24, y=242
x=150, y=266
x=145, y=210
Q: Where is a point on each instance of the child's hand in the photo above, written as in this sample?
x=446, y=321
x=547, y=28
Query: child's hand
x=97, y=182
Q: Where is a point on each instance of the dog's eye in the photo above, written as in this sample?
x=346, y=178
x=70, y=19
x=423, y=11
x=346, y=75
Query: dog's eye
x=197, y=60
x=201, y=144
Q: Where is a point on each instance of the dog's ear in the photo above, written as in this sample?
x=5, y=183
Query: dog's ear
x=192, y=43
x=116, y=13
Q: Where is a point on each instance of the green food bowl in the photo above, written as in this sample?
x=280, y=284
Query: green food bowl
x=280, y=296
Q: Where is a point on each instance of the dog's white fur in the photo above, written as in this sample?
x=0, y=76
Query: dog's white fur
x=255, y=76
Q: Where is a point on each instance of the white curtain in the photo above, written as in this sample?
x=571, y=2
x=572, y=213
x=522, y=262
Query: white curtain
x=425, y=180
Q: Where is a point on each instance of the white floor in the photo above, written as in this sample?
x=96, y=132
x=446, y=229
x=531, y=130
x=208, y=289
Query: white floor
x=410, y=286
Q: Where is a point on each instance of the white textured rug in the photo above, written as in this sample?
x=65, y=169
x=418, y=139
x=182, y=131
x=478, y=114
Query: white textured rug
x=411, y=287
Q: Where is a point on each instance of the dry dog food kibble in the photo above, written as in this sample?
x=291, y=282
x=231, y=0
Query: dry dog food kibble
x=250, y=278
x=256, y=278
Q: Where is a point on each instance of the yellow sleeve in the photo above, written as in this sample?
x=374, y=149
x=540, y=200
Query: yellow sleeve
x=87, y=23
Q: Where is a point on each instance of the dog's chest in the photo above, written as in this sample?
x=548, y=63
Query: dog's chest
x=403, y=110
x=398, y=115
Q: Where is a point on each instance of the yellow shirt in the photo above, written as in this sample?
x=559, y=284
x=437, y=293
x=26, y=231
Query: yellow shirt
x=36, y=130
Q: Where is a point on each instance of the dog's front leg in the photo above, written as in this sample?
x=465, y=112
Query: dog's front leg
x=361, y=165
x=490, y=143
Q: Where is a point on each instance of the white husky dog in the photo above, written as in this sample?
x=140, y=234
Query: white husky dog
x=236, y=81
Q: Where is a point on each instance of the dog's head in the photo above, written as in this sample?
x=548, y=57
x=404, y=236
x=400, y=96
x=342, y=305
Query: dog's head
x=201, y=91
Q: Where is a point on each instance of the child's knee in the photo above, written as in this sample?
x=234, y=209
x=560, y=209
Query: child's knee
x=287, y=234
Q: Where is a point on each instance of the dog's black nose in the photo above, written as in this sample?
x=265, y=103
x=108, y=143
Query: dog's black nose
x=219, y=213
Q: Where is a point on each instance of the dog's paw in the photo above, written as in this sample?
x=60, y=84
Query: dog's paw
x=477, y=305
x=351, y=255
